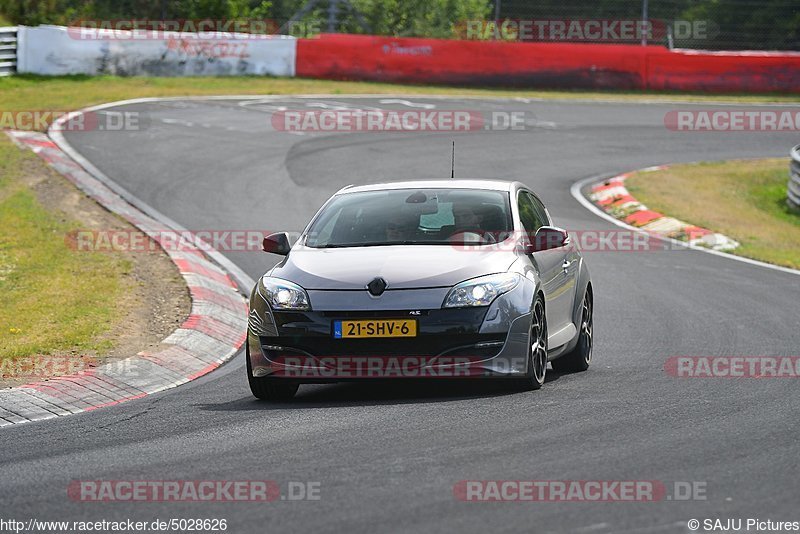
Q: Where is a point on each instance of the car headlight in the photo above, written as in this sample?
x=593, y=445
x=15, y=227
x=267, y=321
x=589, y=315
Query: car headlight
x=480, y=291
x=283, y=295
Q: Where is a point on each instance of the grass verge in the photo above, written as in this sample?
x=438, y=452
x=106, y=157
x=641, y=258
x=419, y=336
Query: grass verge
x=67, y=93
x=55, y=299
x=745, y=200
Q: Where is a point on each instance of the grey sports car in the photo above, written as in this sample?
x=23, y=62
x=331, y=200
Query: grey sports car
x=422, y=279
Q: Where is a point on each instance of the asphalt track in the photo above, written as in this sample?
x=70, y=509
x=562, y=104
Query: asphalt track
x=387, y=458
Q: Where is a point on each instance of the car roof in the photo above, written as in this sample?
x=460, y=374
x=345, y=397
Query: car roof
x=486, y=185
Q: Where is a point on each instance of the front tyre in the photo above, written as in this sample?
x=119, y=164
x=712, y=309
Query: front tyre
x=537, y=348
x=269, y=389
x=581, y=356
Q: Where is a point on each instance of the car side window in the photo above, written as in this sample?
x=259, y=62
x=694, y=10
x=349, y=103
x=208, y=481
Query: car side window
x=539, y=208
x=530, y=215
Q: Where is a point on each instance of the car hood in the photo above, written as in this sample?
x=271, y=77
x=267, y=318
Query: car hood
x=402, y=266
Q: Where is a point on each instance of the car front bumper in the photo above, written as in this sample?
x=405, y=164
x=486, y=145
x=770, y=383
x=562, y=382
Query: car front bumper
x=489, y=341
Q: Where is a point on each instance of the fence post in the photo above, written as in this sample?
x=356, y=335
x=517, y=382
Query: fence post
x=793, y=193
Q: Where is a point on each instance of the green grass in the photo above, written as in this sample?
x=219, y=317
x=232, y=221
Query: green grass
x=66, y=93
x=745, y=200
x=54, y=299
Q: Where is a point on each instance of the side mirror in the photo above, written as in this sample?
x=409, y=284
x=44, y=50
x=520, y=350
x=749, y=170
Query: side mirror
x=277, y=243
x=547, y=238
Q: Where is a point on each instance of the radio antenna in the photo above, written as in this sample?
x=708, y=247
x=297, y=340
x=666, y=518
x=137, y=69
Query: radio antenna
x=453, y=162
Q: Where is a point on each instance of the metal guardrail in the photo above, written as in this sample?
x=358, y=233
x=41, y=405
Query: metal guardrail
x=8, y=50
x=794, y=179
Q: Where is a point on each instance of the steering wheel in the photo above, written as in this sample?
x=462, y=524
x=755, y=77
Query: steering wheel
x=472, y=235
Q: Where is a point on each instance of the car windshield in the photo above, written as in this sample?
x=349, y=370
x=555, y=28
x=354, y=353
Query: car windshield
x=412, y=217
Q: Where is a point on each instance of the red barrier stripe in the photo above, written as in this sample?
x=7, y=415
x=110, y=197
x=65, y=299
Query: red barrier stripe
x=112, y=403
x=618, y=201
x=724, y=72
x=695, y=232
x=571, y=65
x=214, y=328
x=231, y=302
x=471, y=62
x=640, y=218
x=204, y=371
x=604, y=187
x=174, y=358
x=188, y=266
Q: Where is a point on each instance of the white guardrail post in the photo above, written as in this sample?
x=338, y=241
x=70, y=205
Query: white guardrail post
x=794, y=179
x=8, y=50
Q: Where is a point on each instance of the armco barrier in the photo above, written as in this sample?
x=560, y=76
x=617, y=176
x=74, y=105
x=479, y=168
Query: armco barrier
x=793, y=196
x=59, y=50
x=55, y=50
x=569, y=65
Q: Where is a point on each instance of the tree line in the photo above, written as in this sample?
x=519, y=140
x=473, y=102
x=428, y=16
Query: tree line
x=737, y=24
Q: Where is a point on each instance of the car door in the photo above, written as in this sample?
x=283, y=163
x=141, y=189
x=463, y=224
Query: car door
x=570, y=266
x=554, y=268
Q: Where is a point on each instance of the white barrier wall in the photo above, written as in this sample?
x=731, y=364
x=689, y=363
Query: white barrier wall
x=54, y=50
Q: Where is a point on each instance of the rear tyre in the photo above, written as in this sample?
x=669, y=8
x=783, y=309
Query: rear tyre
x=269, y=389
x=579, y=358
x=537, y=348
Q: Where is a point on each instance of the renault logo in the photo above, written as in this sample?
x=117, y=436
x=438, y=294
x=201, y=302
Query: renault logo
x=377, y=287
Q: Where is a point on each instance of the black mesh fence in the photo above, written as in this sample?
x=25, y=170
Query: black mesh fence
x=701, y=24
x=698, y=24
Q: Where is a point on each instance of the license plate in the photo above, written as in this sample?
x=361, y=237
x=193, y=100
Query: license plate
x=375, y=328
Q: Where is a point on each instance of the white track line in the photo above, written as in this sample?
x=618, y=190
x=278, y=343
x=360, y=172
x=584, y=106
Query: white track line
x=243, y=279
x=576, y=188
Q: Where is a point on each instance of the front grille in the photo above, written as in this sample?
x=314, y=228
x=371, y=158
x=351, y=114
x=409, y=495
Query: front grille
x=424, y=345
x=439, y=330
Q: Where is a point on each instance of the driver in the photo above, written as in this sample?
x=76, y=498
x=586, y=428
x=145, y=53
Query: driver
x=472, y=219
x=399, y=227
x=466, y=217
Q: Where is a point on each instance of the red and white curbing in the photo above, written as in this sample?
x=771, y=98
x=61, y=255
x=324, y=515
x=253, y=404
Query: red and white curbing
x=213, y=333
x=613, y=198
